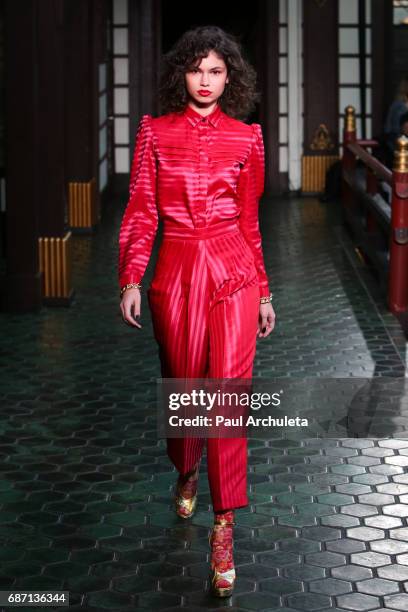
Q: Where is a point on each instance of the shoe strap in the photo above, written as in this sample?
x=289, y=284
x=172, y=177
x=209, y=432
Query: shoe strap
x=184, y=501
x=190, y=485
x=228, y=575
x=224, y=518
x=223, y=522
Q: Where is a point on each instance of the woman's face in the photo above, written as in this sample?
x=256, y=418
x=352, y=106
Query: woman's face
x=210, y=75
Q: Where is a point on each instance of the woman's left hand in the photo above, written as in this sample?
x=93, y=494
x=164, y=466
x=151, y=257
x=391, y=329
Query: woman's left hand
x=266, y=320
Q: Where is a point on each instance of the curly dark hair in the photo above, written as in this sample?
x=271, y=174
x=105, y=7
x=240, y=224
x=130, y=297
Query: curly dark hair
x=239, y=97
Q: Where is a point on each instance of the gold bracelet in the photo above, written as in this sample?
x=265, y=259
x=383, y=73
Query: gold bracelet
x=130, y=286
x=266, y=299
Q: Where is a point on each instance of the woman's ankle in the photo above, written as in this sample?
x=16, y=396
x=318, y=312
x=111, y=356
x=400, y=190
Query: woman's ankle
x=187, y=483
x=191, y=474
x=221, y=541
x=227, y=516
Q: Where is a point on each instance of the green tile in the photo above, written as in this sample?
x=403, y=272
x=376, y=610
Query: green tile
x=257, y=601
x=157, y=601
x=276, y=533
x=126, y=519
x=336, y=499
x=91, y=556
x=11, y=553
x=81, y=518
x=66, y=568
x=39, y=583
x=106, y=507
x=7, y=517
x=271, y=488
x=86, y=584
x=281, y=586
x=297, y=520
x=46, y=555
x=20, y=569
x=107, y=600
x=254, y=520
x=315, y=509
x=119, y=544
x=273, y=509
x=100, y=531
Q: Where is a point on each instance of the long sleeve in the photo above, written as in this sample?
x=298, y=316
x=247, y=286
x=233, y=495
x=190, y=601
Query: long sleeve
x=140, y=220
x=250, y=189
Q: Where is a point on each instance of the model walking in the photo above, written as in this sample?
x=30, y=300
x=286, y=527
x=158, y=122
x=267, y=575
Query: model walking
x=201, y=170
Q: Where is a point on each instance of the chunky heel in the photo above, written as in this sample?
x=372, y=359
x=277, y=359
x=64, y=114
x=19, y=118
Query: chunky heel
x=222, y=563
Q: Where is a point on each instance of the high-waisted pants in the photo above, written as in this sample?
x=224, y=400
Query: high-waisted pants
x=204, y=301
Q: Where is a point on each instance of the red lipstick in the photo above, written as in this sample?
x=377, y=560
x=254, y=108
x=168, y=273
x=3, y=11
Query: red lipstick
x=204, y=92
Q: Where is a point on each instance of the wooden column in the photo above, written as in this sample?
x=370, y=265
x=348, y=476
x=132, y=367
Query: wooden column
x=320, y=92
x=81, y=115
x=382, y=91
x=144, y=54
x=268, y=75
x=21, y=287
x=54, y=238
x=50, y=149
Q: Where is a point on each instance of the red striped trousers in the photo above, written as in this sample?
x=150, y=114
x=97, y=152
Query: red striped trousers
x=204, y=300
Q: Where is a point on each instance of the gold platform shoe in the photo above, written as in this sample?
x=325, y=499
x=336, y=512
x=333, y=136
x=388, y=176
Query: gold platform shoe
x=185, y=499
x=222, y=564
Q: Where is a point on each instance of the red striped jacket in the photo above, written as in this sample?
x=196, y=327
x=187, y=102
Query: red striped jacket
x=192, y=171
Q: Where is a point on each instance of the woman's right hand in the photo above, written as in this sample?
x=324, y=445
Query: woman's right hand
x=131, y=300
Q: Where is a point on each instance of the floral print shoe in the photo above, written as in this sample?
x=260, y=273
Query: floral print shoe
x=222, y=562
x=185, y=499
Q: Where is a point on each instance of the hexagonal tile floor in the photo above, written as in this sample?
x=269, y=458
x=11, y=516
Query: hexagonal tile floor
x=86, y=485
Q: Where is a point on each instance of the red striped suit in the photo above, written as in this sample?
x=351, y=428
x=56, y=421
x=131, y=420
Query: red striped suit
x=203, y=178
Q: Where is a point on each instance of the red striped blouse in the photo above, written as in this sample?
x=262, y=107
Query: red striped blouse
x=192, y=171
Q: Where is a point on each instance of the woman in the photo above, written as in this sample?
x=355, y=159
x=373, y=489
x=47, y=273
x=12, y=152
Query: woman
x=201, y=170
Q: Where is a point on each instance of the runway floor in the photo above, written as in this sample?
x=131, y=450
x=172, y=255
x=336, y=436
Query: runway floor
x=86, y=486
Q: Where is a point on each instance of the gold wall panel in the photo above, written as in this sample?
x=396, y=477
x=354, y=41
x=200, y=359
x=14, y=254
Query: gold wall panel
x=314, y=168
x=55, y=263
x=82, y=204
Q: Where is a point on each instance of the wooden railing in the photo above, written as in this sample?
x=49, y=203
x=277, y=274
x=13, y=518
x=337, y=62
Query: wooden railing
x=379, y=228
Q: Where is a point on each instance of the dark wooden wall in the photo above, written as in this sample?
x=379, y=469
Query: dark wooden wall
x=52, y=137
x=320, y=74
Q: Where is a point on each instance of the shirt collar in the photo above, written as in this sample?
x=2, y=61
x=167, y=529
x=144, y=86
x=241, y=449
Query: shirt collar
x=194, y=116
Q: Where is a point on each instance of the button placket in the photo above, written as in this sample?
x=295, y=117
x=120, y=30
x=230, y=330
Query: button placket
x=203, y=171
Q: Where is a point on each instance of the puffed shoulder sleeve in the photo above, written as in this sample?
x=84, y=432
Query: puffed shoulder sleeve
x=140, y=219
x=250, y=189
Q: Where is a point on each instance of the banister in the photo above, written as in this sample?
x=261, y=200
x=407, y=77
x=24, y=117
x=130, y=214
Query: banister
x=376, y=166
x=381, y=229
